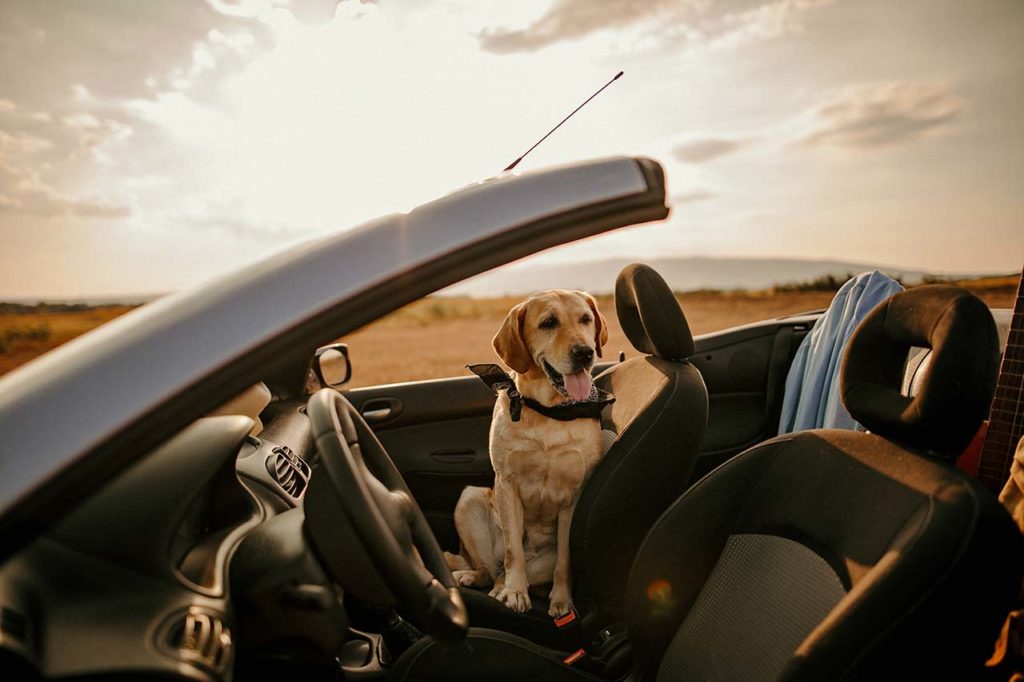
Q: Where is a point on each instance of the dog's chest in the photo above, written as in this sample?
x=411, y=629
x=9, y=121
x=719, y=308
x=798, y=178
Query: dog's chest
x=546, y=460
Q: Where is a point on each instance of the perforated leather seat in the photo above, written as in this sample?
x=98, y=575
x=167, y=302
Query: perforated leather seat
x=826, y=554
x=659, y=415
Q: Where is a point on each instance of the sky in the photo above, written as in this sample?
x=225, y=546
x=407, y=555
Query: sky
x=148, y=147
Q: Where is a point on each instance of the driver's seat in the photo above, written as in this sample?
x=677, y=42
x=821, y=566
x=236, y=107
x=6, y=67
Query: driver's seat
x=826, y=554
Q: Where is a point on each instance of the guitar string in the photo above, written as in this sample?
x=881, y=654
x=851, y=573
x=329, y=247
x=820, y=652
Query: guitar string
x=1018, y=317
x=1004, y=451
x=1010, y=353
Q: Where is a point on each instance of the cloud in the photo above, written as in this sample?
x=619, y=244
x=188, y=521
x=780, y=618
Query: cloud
x=94, y=134
x=102, y=51
x=26, y=157
x=882, y=114
x=569, y=19
x=23, y=193
x=39, y=139
x=726, y=22
x=700, y=149
x=44, y=201
x=304, y=11
x=20, y=143
x=763, y=22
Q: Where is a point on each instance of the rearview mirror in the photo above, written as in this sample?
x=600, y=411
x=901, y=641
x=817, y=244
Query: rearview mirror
x=332, y=366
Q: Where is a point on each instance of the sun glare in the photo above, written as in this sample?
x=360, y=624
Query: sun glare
x=350, y=119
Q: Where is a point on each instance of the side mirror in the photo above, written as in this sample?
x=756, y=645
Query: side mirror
x=332, y=366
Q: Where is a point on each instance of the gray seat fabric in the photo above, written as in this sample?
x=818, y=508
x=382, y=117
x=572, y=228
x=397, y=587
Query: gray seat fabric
x=734, y=606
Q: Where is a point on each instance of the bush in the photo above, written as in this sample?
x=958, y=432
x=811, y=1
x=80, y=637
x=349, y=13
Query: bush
x=827, y=282
x=37, y=333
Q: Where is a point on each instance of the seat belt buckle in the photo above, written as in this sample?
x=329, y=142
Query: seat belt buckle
x=565, y=620
x=574, y=656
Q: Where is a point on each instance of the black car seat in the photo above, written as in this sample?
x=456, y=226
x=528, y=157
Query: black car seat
x=825, y=554
x=658, y=418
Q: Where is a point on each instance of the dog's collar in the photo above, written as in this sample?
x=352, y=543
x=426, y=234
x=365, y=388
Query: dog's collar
x=498, y=380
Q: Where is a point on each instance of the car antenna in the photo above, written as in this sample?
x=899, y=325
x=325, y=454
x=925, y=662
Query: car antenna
x=516, y=162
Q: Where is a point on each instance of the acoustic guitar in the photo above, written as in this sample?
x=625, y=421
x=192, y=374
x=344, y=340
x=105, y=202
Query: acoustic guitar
x=990, y=454
x=989, y=458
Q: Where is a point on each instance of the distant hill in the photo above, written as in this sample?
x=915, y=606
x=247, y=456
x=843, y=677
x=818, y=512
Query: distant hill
x=58, y=304
x=682, y=274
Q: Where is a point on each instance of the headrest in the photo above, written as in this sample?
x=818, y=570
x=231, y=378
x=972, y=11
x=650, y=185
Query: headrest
x=955, y=393
x=650, y=314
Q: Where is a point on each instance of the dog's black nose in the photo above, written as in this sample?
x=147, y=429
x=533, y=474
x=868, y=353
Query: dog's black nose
x=581, y=355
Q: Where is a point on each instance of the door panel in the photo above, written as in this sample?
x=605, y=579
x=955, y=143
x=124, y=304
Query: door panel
x=436, y=432
x=744, y=370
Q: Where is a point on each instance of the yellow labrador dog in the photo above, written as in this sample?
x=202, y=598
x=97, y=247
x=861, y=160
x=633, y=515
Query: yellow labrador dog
x=517, y=535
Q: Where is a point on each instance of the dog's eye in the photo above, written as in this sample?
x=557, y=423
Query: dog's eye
x=549, y=322
x=586, y=319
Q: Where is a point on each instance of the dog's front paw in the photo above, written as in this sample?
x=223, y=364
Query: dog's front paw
x=559, y=608
x=517, y=600
x=561, y=603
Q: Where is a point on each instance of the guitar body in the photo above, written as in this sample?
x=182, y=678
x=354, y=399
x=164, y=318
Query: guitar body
x=969, y=461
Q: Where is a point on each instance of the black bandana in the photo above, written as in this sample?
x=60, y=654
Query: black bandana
x=497, y=380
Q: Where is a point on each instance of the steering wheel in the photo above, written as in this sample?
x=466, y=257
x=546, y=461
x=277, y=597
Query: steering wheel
x=357, y=498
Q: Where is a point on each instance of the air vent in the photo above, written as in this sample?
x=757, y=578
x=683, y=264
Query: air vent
x=290, y=472
x=201, y=638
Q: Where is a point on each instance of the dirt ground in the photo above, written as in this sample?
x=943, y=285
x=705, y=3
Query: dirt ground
x=23, y=336
x=437, y=337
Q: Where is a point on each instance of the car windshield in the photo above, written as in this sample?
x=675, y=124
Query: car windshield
x=146, y=148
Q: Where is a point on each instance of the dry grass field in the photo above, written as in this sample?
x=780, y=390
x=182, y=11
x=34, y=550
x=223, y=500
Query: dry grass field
x=24, y=335
x=437, y=337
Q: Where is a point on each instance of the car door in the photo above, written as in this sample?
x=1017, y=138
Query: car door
x=745, y=369
x=436, y=431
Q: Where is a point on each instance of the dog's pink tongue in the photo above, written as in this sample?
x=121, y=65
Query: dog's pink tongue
x=578, y=385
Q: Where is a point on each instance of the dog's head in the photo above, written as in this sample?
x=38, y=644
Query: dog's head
x=558, y=332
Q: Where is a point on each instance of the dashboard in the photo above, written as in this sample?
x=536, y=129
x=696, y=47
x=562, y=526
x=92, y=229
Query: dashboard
x=150, y=575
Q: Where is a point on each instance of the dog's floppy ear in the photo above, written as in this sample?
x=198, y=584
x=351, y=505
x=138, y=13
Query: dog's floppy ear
x=600, y=325
x=509, y=343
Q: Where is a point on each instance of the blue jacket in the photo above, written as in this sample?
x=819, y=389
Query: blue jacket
x=812, y=397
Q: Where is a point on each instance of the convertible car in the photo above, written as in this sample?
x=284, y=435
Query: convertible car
x=189, y=492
